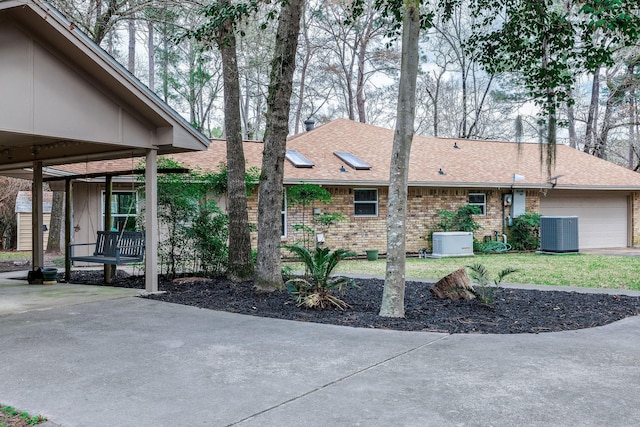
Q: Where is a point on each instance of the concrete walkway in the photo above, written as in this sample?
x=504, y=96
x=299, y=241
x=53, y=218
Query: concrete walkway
x=135, y=362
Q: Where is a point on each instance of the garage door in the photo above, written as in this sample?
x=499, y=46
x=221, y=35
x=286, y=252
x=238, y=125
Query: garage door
x=602, y=217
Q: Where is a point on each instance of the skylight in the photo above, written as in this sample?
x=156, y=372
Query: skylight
x=352, y=160
x=298, y=160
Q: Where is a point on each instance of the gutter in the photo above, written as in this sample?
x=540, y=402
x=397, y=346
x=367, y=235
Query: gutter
x=496, y=185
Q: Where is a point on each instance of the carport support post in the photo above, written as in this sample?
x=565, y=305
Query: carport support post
x=108, y=191
x=37, y=246
x=68, y=203
x=151, y=221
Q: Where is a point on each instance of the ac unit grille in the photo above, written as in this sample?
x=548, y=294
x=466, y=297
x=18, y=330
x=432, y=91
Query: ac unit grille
x=559, y=233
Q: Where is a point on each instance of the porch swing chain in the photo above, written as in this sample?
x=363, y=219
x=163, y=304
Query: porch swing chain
x=131, y=203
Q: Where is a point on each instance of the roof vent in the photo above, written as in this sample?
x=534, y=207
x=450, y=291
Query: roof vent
x=309, y=125
x=298, y=160
x=352, y=160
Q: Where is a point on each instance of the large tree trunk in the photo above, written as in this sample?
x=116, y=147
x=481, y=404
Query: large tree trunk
x=393, y=294
x=240, y=261
x=269, y=275
x=55, y=224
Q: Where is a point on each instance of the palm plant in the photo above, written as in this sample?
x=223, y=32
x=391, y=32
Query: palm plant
x=485, y=292
x=315, y=290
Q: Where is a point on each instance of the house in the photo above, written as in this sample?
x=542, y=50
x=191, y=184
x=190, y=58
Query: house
x=504, y=179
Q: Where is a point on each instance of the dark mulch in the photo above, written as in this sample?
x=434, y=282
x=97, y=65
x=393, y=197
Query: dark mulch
x=513, y=311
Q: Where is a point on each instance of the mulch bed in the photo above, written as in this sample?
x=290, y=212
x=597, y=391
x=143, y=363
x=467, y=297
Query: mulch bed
x=513, y=311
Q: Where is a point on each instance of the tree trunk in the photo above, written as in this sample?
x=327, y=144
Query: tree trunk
x=270, y=195
x=303, y=77
x=152, y=58
x=633, y=113
x=454, y=286
x=393, y=294
x=593, y=113
x=360, y=99
x=571, y=119
x=131, y=64
x=104, y=20
x=55, y=224
x=240, y=261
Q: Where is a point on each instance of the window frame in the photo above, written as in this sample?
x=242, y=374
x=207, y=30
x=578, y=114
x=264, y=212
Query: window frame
x=357, y=202
x=482, y=205
x=133, y=215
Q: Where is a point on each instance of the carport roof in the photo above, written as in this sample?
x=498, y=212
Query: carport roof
x=55, y=78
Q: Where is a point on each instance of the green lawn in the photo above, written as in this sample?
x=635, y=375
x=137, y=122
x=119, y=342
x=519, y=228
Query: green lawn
x=9, y=256
x=595, y=271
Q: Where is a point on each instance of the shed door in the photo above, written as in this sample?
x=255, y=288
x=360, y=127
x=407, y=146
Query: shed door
x=602, y=217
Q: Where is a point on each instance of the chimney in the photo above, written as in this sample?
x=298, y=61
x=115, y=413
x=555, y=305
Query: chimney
x=309, y=125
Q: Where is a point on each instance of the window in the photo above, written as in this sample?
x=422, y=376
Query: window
x=479, y=200
x=365, y=202
x=298, y=160
x=352, y=160
x=124, y=209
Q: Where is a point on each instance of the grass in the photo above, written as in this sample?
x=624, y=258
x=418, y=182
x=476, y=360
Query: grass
x=582, y=270
x=11, y=417
x=9, y=256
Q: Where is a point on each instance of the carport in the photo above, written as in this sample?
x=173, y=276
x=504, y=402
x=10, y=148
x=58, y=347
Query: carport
x=65, y=100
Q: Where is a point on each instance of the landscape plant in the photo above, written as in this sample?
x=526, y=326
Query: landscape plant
x=210, y=234
x=525, y=232
x=195, y=230
x=484, y=291
x=460, y=220
x=306, y=195
x=316, y=289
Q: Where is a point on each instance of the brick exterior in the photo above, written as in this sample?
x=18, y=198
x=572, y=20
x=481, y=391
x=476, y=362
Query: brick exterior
x=362, y=233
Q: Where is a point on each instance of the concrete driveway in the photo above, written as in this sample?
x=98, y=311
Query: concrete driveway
x=136, y=362
x=16, y=296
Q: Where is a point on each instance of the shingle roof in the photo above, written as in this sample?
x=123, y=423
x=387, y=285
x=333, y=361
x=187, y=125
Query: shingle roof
x=474, y=163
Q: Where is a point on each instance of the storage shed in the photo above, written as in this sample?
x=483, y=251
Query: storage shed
x=24, y=218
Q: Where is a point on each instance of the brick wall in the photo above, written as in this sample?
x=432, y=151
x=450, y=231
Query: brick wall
x=361, y=233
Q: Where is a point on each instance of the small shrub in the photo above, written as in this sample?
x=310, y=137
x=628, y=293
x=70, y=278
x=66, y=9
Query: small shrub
x=525, y=232
x=460, y=220
x=317, y=288
x=209, y=234
x=485, y=292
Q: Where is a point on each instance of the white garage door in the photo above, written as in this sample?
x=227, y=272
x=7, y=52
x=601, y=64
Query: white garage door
x=602, y=217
